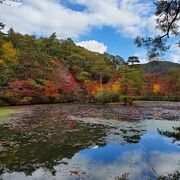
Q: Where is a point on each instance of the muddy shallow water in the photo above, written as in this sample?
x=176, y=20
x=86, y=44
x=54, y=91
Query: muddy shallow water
x=76, y=141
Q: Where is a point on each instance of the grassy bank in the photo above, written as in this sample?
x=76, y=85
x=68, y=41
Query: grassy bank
x=6, y=111
x=5, y=114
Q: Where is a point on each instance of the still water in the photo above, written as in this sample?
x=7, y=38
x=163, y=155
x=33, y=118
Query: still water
x=45, y=144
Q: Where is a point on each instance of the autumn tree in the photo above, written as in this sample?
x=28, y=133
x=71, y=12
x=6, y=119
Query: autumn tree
x=62, y=77
x=156, y=88
x=8, y=62
x=174, y=73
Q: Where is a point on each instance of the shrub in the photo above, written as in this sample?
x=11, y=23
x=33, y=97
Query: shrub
x=26, y=100
x=107, y=96
x=33, y=84
x=11, y=97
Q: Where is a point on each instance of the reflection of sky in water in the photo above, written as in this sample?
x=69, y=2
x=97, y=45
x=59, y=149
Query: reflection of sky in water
x=148, y=144
x=154, y=153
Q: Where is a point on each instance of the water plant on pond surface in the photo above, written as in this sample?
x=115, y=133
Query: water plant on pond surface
x=72, y=141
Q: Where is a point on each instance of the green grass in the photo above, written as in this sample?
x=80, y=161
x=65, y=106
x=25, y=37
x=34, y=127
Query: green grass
x=5, y=111
x=4, y=114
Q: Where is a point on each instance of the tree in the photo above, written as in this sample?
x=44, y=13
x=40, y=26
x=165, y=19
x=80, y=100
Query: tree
x=131, y=79
x=174, y=73
x=62, y=77
x=156, y=88
x=1, y=26
x=83, y=76
x=101, y=69
x=1, y=35
x=133, y=59
x=168, y=16
x=8, y=62
x=76, y=62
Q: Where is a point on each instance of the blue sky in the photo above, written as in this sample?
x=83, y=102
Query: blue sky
x=98, y=25
x=116, y=44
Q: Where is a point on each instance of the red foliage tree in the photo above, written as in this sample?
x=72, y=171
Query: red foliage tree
x=51, y=90
x=63, y=77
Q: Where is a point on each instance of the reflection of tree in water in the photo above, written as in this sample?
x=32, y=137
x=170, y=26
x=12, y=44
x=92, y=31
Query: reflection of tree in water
x=123, y=177
x=173, y=176
x=175, y=134
x=43, y=142
x=132, y=139
x=131, y=135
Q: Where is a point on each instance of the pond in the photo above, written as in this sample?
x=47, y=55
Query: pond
x=91, y=142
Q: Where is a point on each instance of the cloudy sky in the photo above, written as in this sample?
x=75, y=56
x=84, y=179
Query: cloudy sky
x=98, y=25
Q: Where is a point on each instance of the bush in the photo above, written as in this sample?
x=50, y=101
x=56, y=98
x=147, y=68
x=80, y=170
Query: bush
x=10, y=97
x=122, y=97
x=107, y=96
x=26, y=100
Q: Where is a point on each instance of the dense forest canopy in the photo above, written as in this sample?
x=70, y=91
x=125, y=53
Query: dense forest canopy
x=46, y=69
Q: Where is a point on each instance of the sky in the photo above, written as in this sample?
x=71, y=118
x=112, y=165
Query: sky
x=98, y=25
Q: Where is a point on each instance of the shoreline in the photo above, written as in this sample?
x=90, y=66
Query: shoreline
x=94, y=103
x=141, y=110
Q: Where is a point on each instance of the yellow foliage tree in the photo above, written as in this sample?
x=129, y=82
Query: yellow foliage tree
x=116, y=87
x=97, y=90
x=10, y=54
x=8, y=61
x=156, y=88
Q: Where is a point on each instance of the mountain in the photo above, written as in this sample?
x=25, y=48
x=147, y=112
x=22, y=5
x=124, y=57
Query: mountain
x=161, y=67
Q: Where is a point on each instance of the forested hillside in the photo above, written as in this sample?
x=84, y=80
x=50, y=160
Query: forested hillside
x=48, y=70
x=162, y=67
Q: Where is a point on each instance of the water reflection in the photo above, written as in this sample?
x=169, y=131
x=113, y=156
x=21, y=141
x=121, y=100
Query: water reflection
x=175, y=134
x=44, y=146
x=154, y=155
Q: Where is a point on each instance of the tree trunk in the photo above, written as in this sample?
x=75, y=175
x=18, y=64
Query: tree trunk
x=126, y=93
x=125, y=101
x=100, y=79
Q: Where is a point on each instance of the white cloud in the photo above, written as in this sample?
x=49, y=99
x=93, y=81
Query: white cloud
x=43, y=17
x=93, y=45
x=173, y=54
x=142, y=56
x=48, y=16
